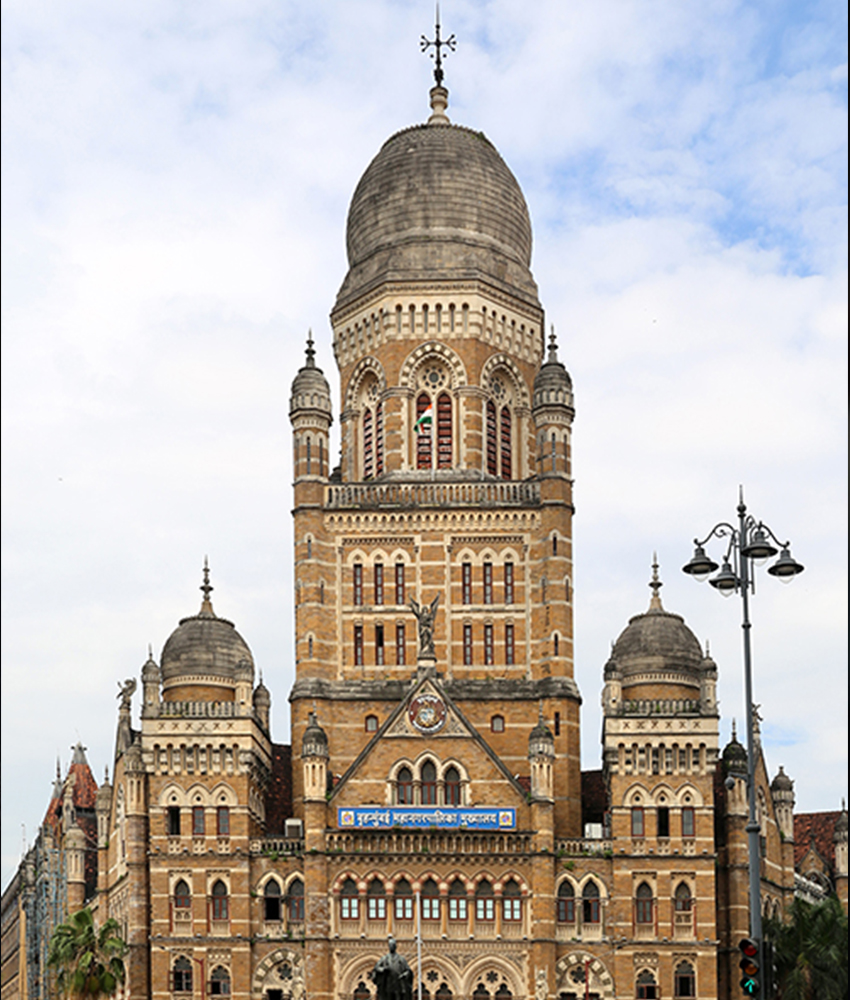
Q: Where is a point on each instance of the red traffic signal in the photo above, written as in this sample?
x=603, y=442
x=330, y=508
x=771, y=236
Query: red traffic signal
x=749, y=966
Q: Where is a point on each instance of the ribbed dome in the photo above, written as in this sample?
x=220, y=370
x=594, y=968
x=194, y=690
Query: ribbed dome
x=661, y=635
x=438, y=198
x=205, y=645
x=310, y=389
x=735, y=756
x=552, y=384
x=781, y=783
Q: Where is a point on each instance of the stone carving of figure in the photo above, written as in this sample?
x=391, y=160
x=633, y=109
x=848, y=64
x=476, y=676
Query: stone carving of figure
x=392, y=976
x=425, y=614
x=126, y=692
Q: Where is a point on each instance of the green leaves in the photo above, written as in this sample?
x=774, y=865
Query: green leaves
x=89, y=961
x=811, y=951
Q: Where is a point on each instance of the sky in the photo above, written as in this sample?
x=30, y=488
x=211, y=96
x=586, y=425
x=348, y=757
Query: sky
x=176, y=178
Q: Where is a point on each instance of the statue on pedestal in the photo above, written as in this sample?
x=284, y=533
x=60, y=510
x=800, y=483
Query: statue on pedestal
x=425, y=614
x=392, y=976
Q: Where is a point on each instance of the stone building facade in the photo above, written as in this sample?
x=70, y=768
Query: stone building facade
x=432, y=787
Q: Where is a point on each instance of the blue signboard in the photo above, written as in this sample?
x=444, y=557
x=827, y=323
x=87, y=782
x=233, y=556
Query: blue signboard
x=424, y=817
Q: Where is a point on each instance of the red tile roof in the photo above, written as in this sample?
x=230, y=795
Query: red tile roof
x=817, y=827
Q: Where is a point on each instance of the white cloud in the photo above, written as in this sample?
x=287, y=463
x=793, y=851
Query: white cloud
x=175, y=187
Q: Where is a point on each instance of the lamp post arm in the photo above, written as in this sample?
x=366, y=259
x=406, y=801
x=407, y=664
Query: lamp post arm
x=720, y=530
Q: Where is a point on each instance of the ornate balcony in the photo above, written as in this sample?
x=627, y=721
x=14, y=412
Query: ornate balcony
x=400, y=496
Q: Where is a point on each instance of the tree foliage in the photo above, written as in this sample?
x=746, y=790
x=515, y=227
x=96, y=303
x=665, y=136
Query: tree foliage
x=810, y=951
x=89, y=961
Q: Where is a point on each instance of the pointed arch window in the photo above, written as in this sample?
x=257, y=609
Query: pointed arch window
x=376, y=900
x=452, y=787
x=430, y=900
x=423, y=431
x=683, y=899
x=220, y=902
x=428, y=784
x=379, y=439
x=684, y=981
x=643, y=904
x=368, y=445
x=485, y=903
x=220, y=982
x=506, y=441
x=647, y=988
x=181, y=975
x=457, y=900
x=511, y=902
x=404, y=787
x=590, y=903
x=295, y=899
x=272, y=901
x=444, y=431
x=492, y=439
x=403, y=900
x=182, y=896
x=566, y=903
x=349, y=900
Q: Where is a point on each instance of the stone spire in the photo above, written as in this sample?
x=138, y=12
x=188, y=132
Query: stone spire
x=206, y=589
x=655, y=585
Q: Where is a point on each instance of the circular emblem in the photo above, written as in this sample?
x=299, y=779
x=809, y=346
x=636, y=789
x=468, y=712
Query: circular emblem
x=427, y=713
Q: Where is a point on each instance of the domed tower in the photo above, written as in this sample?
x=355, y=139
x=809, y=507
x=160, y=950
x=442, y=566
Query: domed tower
x=189, y=796
x=443, y=493
x=660, y=739
x=782, y=793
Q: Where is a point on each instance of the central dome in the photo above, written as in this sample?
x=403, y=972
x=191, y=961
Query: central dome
x=438, y=198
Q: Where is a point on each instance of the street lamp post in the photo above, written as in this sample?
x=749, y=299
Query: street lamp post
x=749, y=542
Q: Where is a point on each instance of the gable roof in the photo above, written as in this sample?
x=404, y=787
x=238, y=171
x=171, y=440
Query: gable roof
x=818, y=829
x=456, y=724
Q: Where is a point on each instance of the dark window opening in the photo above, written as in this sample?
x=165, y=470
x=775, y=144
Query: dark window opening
x=557, y=723
x=428, y=784
x=492, y=441
x=643, y=904
x=368, y=446
x=173, y=820
x=182, y=896
x=590, y=903
x=452, y=787
x=379, y=645
x=566, y=904
x=506, y=443
x=663, y=821
x=358, y=645
x=272, y=901
x=444, y=431
x=181, y=976
x=220, y=908
x=404, y=787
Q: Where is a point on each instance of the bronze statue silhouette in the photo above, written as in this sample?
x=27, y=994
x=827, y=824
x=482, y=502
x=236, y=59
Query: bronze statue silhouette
x=392, y=975
x=425, y=614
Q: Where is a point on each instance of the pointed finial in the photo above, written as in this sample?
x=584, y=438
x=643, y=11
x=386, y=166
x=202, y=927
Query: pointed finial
x=656, y=585
x=206, y=589
x=553, y=345
x=150, y=651
x=540, y=711
x=843, y=804
x=734, y=731
x=106, y=774
x=311, y=354
x=707, y=650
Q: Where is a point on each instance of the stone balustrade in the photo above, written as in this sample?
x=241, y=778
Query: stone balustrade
x=670, y=706
x=370, y=496
x=583, y=847
x=386, y=842
x=198, y=709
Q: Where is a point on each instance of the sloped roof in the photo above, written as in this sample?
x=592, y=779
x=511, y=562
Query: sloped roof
x=818, y=827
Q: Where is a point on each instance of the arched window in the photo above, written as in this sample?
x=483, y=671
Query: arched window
x=481, y=992
x=349, y=900
x=444, y=993
x=181, y=975
x=590, y=903
x=511, y=901
x=220, y=982
x=684, y=981
x=220, y=908
x=272, y=901
x=182, y=896
x=643, y=904
x=371, y=723
x=492, y=439
x=485, y=903
x=445, y=458
x=684, y=901
x=404, y=787
x=295, y=899
x=403, y=900
x=637, y=821
x=566, y=903
x=362, y=991
x=430, y=900
x=457, y=900
x=428, y=784
x=452, y=787
x=506, y=437
x=368, y=445
x=646, y=986
x=376, y=900
x=504, y=993
x=422, y=430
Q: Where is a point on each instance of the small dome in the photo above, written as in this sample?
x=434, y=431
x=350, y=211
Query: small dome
x=782, y=783
x=438, y=199
x=150, y=669
x=540, y=740
x=840, y=829
x=315, y=741
x=262, y=697
x=310, y=389
x=735, y=756
x=205, y=645
x=553, y=384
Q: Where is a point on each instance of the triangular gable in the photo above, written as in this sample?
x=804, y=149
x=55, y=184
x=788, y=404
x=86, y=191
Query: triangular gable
x=403, y=723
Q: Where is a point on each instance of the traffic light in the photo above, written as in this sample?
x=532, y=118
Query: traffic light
x=749, y=965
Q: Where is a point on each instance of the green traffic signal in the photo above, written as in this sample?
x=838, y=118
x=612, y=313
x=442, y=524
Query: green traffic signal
x=749, y=966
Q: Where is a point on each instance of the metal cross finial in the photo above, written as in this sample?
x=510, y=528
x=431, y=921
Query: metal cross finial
x=655, y=584
x=439, y=44
x=310, y=352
